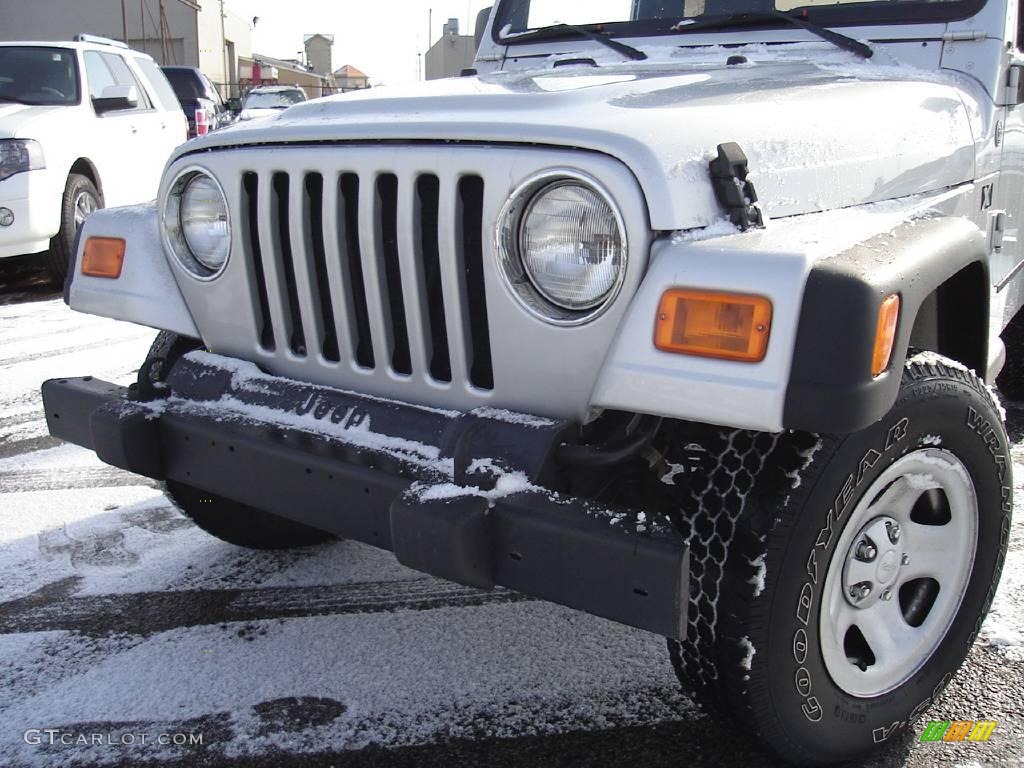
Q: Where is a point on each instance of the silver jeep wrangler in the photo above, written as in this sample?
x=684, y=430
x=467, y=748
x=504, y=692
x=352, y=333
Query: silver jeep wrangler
x=680, y=314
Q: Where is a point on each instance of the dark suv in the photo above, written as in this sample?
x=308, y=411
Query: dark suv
x=203, y=106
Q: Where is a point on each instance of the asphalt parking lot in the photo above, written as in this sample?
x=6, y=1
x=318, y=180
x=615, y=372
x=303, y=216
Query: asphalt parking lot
x=117, y=617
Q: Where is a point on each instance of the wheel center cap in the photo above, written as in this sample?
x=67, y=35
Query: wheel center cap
x=873, y=562
x=888, y=566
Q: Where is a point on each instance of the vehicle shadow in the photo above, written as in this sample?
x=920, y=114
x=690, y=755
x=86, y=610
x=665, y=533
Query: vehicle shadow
x=24, y=279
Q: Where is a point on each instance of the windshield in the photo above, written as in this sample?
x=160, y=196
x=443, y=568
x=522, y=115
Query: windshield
x=38, y=75
x=637, y=17
x=273, y=99
x=186, y=84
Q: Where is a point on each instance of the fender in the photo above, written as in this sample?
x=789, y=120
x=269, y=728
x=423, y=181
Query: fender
x=830, y=384
x=826, y=276
x=146, y=292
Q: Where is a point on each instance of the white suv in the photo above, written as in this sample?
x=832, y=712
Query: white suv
x=83, y=124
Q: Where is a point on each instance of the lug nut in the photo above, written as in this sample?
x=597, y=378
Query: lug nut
x=894, y=531
x=905, y=560
x=887, y=594
x=860, y=591
x=866, y=551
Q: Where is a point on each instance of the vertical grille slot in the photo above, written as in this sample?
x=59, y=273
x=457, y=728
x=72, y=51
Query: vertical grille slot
x=296, y=338
x=428, y=189
x=250, y=230
x=387, y=222
x=315, y=224
x=359, y=314
x=471, y=217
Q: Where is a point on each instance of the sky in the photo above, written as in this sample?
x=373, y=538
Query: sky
x=380, y=38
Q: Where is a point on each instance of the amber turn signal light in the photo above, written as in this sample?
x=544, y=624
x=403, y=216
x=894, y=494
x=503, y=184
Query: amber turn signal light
x=885, y=334
x=103, y=257
x=727, y=326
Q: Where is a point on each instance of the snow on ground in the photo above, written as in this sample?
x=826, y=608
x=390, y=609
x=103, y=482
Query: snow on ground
x=120, y=617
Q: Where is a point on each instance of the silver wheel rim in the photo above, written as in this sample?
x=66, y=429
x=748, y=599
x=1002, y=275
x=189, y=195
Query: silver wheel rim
x=84, y=204
x=899, y=573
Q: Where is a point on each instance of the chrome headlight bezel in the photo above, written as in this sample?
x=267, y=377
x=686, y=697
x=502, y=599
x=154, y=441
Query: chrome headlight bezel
x=508, y=247
x=171, y=226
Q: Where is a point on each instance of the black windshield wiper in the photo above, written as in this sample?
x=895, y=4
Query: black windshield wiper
x=557, y=30
x=739, y=19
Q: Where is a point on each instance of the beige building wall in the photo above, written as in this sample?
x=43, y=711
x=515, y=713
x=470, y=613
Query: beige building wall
x=220, y=60
x=63, y=19
x=449, y=56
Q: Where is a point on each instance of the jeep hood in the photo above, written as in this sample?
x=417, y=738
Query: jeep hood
x=818, y=137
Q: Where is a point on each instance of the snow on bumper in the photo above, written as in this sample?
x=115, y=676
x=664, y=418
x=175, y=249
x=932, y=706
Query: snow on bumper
x=458, y=495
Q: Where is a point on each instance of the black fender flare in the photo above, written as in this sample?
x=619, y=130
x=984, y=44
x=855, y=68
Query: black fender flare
x=831, y=388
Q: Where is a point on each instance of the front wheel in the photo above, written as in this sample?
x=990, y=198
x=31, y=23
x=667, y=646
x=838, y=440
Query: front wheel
x=228, y=520
x=80, y=199
x=839, y=582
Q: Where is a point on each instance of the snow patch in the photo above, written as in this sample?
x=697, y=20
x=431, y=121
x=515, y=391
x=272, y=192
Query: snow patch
x=747, y=660
x=720, y=228
x=512, y=417
x=758, y=579
x=507, y=484
x=921, y=482
x=928, y=357
x=934, y=440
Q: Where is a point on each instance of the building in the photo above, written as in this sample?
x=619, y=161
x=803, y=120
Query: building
x=319, y=53
x=451, y=54
x=168, y=30
x=348, y=78
x=266, y=70
x=225, y=40
x=208, y=36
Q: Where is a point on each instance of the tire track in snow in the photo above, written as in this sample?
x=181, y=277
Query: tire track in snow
x=53, y=607
x=29, y=445
x=24, y=480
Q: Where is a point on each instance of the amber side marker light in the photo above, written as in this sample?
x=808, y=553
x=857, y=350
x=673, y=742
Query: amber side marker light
x=103, y=257
x=727, y=326
x=885, y=334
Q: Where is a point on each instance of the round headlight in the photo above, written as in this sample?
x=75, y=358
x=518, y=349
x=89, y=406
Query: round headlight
x=571, y=245
x=196, y=223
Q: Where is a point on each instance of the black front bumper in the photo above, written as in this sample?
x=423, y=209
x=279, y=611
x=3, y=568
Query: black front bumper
x=307, y=453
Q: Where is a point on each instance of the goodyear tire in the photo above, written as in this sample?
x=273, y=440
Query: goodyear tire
x=839, y=582
x=228, y=520
x=80, y=199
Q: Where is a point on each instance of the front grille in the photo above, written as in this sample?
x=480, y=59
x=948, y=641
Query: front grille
x=351, y=266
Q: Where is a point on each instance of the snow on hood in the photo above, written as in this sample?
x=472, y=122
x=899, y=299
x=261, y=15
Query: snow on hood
x=16, y=120
x=821, y=132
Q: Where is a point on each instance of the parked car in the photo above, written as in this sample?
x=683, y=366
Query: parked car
x=200, y=100
x=270, y=100
x=643, y=318
x=83, y=124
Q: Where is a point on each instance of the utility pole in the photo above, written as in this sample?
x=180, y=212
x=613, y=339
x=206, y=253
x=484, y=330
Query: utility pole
x=226, y=88
x=124, y=21
x=430, y=26
x=142, y=23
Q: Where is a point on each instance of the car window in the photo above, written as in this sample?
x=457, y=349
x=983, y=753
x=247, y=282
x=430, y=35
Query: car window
x=99, y=75
x=160, y=87
x=124, y=76
x=212, y=93
x=106, y=69
x=185, y=84
x=273, y=99
x=38, y=75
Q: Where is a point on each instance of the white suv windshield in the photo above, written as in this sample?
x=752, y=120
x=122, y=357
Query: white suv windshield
x=273, y=99
x=38, y=75
x=635, y=17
